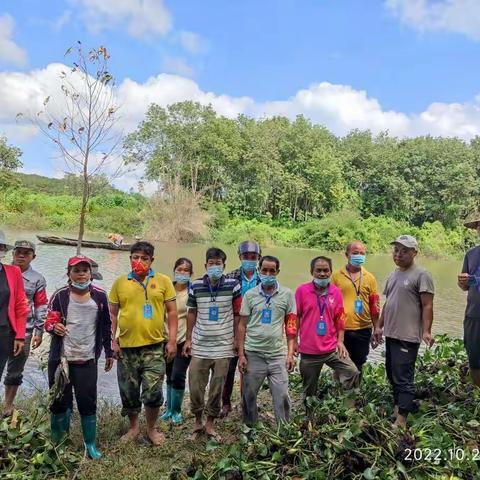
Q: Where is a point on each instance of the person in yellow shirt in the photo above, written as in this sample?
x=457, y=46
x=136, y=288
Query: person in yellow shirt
x=137, y=306
x=361, y=302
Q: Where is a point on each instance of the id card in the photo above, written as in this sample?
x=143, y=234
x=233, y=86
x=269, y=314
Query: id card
x=267, y=316
x=213, y=314
x=358, y=306
x=321, y=328
x=148, y=311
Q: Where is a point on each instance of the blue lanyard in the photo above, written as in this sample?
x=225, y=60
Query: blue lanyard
x=322, y=305
x=143, y=285
x=268, y=298
x=212, y=297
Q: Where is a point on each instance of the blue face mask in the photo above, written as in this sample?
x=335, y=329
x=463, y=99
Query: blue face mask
x=357, y=260
x=214, y=272
x=249, y=265
x=181, y=278
x=321, y=282
x=268, y=280
x=81, y=286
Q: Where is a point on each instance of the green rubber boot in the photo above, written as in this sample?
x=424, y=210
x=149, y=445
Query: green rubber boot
x=177, y=400
x=167, y=415
x=60, y=426
x=89, y=428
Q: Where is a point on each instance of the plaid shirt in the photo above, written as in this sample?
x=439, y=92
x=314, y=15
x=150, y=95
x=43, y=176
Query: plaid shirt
x=239, y=276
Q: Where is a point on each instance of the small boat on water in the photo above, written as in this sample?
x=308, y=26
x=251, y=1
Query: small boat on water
x=85, y=243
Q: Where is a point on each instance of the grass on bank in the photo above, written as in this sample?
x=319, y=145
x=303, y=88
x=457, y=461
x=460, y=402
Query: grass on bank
x=338, y=441
x=186, y=219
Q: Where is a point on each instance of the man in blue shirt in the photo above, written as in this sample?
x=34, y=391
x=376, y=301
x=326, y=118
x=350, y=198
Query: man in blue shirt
x=469, y=281
x=249, y=253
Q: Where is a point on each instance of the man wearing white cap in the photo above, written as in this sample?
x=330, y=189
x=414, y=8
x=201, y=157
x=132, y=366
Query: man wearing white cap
x=406, y=320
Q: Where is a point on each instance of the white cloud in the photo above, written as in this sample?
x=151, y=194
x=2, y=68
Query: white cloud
x=457, y=16
x=192, y=42
x=178, y=66
x=339, y=107
x=141, y=17
x=10, y=52
x=62, y=20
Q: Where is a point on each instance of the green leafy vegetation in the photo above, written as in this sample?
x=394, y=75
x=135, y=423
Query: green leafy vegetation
x=26, y=450
x=274, y=169
x=350, y=436
x=282, y=182
x=336, y=230
x=110, y=210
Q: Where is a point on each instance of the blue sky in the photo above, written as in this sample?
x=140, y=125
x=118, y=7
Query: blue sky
x=407, y=66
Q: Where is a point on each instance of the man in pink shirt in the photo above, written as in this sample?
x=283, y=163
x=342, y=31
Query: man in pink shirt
x=321, y=329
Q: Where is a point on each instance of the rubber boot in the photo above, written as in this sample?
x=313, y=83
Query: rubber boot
x=89, y=428
x=60, y=426
x=167, y=415
x=177, y=400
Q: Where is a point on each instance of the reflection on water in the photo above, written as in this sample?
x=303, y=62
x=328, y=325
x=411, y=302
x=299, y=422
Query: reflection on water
x=51, y=261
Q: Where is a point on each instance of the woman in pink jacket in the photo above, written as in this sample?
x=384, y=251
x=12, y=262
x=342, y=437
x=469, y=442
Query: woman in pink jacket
x=14, y=308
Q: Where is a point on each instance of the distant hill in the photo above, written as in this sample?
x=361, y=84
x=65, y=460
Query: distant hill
x=68, y=185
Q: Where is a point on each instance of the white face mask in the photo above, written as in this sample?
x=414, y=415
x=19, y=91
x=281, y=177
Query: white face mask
x=3, y=254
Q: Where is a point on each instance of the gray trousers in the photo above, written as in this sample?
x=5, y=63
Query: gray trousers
x=311, y=366
x=259, y=367
x=16, y=365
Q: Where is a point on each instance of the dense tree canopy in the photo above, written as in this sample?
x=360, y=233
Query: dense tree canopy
x=9, y=162
x=278, y=169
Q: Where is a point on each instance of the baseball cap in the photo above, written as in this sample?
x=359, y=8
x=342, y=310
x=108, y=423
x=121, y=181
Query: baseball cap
x=3, y=240
x=96, y=275
x=25, y=244
x=249, y=247
x=407, y=241
x=79, y=259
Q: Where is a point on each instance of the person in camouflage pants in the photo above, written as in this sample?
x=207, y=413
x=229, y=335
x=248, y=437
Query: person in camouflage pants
x=145, y=367
x=140, y=302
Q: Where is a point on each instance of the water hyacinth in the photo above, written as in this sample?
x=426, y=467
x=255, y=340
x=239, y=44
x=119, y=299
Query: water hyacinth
x=350, y=436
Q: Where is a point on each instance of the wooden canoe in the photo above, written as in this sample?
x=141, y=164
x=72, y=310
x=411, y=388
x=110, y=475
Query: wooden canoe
x=85, y=243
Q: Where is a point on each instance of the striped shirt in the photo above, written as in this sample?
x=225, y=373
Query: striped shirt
x=214, y=338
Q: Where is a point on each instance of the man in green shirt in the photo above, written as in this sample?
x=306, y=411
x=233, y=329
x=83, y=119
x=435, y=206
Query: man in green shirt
x=267, y=316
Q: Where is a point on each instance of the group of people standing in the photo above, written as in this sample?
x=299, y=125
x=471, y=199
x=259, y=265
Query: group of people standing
x=209, y=327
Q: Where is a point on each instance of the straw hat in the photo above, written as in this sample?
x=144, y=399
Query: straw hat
x=472, y=220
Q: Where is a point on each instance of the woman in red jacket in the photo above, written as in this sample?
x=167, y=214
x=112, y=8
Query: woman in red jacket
x=14, y=308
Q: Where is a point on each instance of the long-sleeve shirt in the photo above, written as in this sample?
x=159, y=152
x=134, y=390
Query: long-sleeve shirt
x=36, y=291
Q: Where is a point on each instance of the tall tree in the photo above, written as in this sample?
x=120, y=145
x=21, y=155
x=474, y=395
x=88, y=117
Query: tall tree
x=80, y=119
x=9, y=162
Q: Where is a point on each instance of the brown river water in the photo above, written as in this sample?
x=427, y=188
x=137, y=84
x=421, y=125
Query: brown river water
x=449, y=303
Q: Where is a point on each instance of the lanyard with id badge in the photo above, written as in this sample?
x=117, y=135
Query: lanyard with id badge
x=358, y=303
x=213, y=309
x=147, y=306
x=322, y=304
x=267, y=311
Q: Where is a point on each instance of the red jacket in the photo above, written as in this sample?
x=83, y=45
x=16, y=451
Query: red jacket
x=18, y=307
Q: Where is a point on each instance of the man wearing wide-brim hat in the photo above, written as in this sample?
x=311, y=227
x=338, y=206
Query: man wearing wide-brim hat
x=469, y=281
